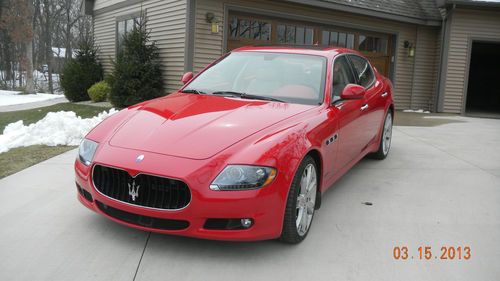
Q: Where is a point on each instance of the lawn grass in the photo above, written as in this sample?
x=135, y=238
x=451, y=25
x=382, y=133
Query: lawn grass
x=20, y=158
x=30, y=116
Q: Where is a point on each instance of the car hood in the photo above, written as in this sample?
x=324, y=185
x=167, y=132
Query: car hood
x=198, y=126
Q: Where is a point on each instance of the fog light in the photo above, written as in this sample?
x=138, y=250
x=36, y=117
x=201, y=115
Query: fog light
x=246, y=223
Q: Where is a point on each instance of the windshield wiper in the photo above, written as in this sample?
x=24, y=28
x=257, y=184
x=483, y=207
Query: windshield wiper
x=245, y=96
x=193, y=91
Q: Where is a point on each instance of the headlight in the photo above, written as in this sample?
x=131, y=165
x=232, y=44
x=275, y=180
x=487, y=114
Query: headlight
x=243, y=177
x=87, y=151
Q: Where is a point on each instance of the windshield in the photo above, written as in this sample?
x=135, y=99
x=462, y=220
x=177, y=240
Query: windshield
x=285, y=77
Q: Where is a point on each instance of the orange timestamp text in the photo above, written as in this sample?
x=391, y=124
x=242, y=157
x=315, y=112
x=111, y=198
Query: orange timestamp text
x=426, y=253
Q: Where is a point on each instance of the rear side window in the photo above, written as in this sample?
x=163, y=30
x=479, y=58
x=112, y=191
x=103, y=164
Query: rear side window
x=363, y=70
x=342, y=75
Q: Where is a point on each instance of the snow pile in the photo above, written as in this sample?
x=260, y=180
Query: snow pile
x=416, y=111
x=56, y=128
x=13, y=97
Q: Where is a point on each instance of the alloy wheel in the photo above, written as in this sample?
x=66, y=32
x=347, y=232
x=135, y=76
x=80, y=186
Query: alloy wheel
x=387, y=135
x=306, y=199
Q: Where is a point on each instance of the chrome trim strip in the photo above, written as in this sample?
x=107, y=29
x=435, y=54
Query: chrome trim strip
x=134, y=205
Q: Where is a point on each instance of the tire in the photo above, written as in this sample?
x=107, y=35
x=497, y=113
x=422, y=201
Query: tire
x=385, y=139
x=300, y=205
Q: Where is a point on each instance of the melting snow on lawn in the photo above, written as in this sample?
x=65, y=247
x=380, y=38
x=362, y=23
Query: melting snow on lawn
x=56, y=128
x=416, y=111
x=13, y=97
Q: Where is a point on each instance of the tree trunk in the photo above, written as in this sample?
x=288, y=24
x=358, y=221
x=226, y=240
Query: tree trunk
x=68, y=31
x=48, y=43
x=30, y=87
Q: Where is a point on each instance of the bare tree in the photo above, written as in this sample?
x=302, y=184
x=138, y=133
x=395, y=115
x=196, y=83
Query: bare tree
x=16, y=24
x=29, y=29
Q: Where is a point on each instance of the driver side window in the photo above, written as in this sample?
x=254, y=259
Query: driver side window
x=342, y=75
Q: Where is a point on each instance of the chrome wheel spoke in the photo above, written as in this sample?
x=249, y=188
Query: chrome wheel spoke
x=310, y=207
x=303, y=184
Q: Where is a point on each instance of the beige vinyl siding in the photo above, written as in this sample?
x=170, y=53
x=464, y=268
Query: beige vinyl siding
x=209, y=46
x=466, y=24
x=425, y=74
x=99, y=4
x=167, y=23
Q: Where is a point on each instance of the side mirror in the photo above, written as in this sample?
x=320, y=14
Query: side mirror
x=352, y=92
x=186, y=77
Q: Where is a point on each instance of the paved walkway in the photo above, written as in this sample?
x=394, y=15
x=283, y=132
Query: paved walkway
x=31, y=105
x=440, y=186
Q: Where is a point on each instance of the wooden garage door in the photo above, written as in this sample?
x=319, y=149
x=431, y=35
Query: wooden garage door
x=253, y=30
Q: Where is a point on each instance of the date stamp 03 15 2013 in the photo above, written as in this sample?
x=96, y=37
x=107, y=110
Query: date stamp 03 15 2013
x=426, y=253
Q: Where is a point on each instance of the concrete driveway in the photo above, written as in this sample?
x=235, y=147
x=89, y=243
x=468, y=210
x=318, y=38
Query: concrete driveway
x=440, y=186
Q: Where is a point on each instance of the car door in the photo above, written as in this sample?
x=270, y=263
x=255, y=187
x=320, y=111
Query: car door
x=350, y=132
x=372, y=109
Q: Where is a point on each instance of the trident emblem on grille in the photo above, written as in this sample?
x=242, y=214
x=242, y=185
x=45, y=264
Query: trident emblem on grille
x=133, y=190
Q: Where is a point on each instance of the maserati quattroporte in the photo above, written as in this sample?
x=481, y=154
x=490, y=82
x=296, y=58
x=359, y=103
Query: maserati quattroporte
x=244, y=150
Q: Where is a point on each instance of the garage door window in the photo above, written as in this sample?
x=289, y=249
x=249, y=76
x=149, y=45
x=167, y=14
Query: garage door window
x=295, y=34
x=373, y=44
x=250, y=29
x=340, y=39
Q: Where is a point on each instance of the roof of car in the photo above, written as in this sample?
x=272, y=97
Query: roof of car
x=309, y=50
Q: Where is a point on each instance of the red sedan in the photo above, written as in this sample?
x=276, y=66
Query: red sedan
x=244, y=150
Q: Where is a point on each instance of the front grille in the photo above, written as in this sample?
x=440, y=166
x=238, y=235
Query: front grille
x=164, y=224
x=143, y=190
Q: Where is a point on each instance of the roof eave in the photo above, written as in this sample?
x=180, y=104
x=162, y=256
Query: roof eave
x=478, y=4
x=366, y=12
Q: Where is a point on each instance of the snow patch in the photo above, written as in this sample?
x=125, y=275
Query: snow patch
x=14, y=98
x=416, y=111
x=56, y=128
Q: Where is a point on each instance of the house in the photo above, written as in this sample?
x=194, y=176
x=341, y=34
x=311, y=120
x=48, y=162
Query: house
x=438, y=54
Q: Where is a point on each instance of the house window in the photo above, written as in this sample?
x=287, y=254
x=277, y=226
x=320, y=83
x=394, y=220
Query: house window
x=335, y=38
x=124, y=26
x=295, y=34
x=373, y=44
x=241, y=28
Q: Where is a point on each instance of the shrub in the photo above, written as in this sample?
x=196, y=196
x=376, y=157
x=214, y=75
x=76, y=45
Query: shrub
x=99, y=91
x=136, y=76
x=80, y=73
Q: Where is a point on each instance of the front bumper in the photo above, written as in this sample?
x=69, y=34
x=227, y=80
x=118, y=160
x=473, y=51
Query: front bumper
x=264, y=206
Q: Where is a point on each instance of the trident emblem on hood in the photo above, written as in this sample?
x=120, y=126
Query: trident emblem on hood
x=133, y=190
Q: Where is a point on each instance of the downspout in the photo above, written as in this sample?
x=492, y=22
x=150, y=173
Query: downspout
x=438, y=103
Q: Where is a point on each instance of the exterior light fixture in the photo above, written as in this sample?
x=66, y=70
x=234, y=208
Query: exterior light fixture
x=410, y=47
x=214, y=23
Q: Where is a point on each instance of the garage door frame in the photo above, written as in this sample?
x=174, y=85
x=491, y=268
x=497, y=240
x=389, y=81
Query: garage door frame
x=468, y=58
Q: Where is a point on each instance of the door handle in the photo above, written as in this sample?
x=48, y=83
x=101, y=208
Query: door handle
x=384, y=94
x=364, y=107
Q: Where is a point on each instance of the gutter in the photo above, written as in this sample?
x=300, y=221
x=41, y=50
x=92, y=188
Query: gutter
x=445, y=30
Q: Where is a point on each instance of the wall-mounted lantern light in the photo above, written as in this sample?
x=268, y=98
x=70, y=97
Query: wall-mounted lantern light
x=410, y=47
x=214, y=23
